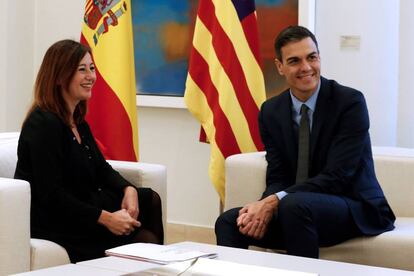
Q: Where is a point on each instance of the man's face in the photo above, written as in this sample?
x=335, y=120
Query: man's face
x=301, y=67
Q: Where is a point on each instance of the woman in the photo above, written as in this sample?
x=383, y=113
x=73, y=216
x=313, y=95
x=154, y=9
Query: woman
x=78, y=200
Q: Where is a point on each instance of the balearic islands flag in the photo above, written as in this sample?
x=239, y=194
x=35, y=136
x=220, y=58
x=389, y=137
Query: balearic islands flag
x=107, y=30
x=225, y=85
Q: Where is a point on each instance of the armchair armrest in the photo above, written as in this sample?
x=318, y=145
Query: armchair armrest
x=245, y=178
x=14, y=226
x=140, y=174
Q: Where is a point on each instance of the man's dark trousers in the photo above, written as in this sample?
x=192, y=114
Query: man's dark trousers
x=304, y=221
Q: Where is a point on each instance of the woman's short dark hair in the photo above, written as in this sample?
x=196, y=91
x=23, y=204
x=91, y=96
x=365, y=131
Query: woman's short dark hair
x=55, y=74
x=292, y=34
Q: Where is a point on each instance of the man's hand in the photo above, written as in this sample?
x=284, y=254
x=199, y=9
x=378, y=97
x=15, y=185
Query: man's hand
x=130, y=202
x=254, y=217
x=119, y=222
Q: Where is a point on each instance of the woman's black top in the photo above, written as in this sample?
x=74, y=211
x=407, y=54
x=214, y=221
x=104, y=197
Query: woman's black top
x=70, y=182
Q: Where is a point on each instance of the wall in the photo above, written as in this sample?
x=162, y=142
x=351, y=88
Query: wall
x=374, y=68
x=406, y=95
x=169, y=136
x=3, y=65
x=55, y=20
x=28, y=28
x=17, y=62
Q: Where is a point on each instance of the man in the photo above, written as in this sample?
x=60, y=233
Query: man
x=321, y=187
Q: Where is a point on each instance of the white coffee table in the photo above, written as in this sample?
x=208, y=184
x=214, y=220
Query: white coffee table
x=119, y=266
x=71, y=269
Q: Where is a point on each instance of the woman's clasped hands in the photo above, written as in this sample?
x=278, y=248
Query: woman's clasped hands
x=119, y=222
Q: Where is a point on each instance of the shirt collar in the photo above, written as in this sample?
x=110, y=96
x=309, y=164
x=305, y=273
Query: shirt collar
x=310, y=103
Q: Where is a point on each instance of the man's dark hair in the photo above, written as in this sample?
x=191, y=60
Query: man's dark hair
x=292, y=34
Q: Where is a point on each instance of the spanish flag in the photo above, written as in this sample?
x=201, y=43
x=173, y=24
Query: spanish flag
x=107, y=30
x=225, y=84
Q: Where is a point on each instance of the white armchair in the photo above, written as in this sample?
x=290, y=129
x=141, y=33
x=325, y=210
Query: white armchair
x=20, y=253
x=246, y=180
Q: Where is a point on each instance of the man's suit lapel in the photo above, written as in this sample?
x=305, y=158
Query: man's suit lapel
x=321, y=113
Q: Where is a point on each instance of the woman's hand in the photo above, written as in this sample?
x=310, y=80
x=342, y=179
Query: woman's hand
x=130, y=202
x=119, y=222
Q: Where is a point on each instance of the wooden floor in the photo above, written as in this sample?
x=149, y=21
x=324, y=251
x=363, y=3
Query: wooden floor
x=180, y=232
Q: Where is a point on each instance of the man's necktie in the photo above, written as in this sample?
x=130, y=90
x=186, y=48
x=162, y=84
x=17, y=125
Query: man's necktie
x=303, y=146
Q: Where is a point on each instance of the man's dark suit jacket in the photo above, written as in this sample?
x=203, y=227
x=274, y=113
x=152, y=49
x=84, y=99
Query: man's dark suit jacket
x=341, y=160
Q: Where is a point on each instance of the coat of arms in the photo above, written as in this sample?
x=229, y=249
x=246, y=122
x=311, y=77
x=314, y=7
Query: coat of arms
x=96, y=10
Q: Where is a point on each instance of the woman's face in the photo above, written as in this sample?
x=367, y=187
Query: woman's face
x=80, y=87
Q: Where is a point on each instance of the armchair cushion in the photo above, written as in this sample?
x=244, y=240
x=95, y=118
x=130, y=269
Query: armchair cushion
x=141, y=174
x=14, y=226
x=44, y=253
x=8, y=153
